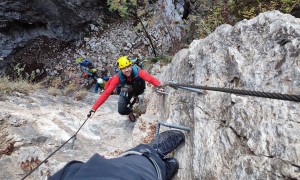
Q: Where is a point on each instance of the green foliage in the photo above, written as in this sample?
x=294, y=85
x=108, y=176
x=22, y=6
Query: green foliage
x=19, y=70
x=231, y=11
x=124, y=7
x=211, y=21
x=148, y=64
x=32, y=76
x=154, y=59
x=21, y=75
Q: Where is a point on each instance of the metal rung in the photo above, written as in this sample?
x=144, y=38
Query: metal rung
x=171, y=126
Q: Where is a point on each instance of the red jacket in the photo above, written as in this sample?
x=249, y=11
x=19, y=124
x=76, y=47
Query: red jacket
x=108, y=82
x=115, y=81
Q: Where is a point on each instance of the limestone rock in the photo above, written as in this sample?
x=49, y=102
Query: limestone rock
x=235, y=136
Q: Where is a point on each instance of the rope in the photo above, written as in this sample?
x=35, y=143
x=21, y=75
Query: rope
x=156, y=166
x=74, y=136
x=286, y=97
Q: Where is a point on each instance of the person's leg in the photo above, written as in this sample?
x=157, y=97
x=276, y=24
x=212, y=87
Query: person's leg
x=159, y=147
x=153, y=157
x=68, y=171
x=97, y=87
x=172, y=167
x=124, y=100
x=167, y=141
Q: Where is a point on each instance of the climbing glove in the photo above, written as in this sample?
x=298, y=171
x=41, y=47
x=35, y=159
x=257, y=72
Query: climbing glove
x=91, y=113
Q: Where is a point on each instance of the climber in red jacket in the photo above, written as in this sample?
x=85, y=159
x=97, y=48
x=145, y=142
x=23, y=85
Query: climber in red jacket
x=132, y=81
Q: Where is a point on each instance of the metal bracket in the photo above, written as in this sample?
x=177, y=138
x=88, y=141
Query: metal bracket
x=191, y=89
x=186, y=88
x=162, y=92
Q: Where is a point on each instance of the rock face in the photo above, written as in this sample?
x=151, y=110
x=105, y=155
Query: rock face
x=44, y=35
x=234, y=136
x=34, y=126
x=39, y=34
x=64, y=20
x=231, y=137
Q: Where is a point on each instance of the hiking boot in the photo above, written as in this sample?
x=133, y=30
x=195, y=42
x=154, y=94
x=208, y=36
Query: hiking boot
x=132, y=117
x=172, y=167
x=167, y=142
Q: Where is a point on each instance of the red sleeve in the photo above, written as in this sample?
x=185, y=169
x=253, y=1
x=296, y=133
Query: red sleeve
x=108, y=82
x=147, y=77
x=114, y=82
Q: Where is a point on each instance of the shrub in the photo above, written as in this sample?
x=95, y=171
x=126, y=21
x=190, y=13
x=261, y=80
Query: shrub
x=80, y=95
x=230, y=12
x=54, y=91
x=124, y=7
x=8, y=86
x=71, y=88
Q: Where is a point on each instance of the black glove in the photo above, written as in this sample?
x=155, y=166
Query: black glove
x=90, y=114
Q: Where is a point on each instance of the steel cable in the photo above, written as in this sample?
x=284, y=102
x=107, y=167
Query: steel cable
x=287, y=97
x=74, y=136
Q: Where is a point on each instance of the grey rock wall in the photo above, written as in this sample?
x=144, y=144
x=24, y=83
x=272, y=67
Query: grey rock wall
x=235, y=136
x=44, y=35
x=34, y=126
x=65, y=20
x=231, y=137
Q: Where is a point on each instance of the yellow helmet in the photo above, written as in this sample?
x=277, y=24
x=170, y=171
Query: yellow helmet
x=123, y=62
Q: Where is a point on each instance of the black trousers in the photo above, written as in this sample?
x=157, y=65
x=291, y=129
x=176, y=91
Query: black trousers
x=125, y=97
x=122, y=168
x=152, y=154
x=123, y=103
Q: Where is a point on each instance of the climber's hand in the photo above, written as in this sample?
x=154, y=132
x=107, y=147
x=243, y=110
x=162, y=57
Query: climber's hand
x=91, y=113
x=161, y=87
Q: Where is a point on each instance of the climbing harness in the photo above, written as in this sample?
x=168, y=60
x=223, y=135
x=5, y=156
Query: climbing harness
x=193, y=88
x=72, y=137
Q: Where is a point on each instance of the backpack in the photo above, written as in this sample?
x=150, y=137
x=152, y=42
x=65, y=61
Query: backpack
x=138, y=83
x=87, y=63
x=136, y=61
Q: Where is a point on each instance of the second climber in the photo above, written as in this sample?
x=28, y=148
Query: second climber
x=132, y=81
